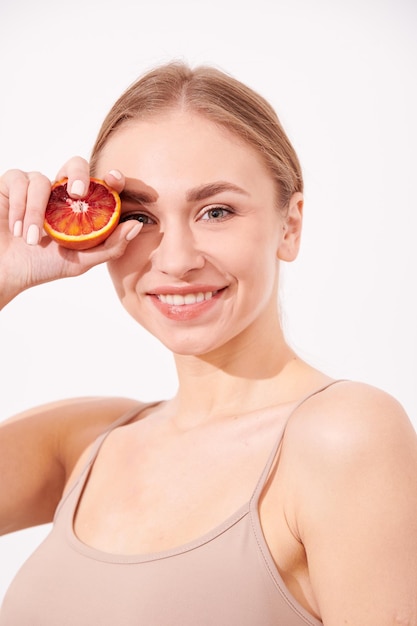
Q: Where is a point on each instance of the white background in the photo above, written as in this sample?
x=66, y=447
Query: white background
x=342, y=77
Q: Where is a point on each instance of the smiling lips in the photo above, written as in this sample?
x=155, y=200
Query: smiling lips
x=184, y=307
x=177, y=299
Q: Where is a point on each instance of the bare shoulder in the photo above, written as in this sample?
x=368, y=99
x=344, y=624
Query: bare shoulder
x=39, y=449
x=81, y=421
x=108, y=406
x=345, y=445
x=351, y=418
x=70, y=422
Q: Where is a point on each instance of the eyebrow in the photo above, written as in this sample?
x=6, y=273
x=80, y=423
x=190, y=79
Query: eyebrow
x=195, y=194
x=211, y=189
x=139, y=197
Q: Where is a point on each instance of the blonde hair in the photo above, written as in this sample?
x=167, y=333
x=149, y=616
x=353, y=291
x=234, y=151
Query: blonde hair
x=220, y=98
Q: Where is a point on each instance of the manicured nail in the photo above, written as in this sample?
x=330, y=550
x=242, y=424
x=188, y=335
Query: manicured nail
x=18, y=228
x=116, y=174
x=134, y=231
x=77, y=188
x=32, y=237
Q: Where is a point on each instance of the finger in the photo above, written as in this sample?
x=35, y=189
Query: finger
x=38, y=193
x=113, y=248
x=77, y=170
x=16, y=185
x=115, y=245
x=115, y=179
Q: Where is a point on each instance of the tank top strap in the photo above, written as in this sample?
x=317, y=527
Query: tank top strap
x=125, y=418
x=271, y=459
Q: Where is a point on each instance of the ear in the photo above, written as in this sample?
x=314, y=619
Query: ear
x=291, y=224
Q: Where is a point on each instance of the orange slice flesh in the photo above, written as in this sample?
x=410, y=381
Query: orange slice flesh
x=82, y=223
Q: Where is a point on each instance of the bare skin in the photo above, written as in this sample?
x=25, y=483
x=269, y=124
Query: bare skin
x=339, y=509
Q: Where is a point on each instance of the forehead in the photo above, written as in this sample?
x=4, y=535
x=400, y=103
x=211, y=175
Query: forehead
x=178, y=139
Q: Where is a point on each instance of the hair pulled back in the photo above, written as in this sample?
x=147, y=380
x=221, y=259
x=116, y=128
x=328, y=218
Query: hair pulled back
x=220, y=98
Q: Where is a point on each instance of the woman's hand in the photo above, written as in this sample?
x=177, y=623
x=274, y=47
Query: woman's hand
x=27, y=256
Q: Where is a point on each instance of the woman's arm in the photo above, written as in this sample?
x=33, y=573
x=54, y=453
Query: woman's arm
x=39, y=447
x=356, y=507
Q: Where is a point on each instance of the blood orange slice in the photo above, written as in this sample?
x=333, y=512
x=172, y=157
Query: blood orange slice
x=84, y=223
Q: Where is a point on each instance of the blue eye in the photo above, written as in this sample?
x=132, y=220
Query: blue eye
x=216, y=213
x=140, y=217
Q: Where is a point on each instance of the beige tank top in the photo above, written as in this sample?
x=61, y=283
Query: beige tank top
x=225, y=578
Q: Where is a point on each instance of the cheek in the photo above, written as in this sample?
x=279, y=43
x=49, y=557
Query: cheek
x=257, y=254
x=135, y=260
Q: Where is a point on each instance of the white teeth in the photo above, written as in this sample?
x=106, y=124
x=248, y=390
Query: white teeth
x=177, y=299
x=189, y=298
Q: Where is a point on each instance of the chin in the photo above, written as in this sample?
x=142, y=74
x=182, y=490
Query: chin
x=189, y=348
x=187, y=343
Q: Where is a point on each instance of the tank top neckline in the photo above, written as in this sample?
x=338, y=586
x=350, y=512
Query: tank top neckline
x=250, y=507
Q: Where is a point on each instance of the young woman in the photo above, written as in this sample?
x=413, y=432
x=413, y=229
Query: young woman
x=264, y=493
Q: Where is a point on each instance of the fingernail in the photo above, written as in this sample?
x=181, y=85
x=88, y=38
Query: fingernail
x=18, y=228
x=77, y=188
x=116, y=174
x=32, y=237
x=134, y=231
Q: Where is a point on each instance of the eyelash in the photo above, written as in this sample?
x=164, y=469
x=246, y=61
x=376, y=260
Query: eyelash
x=140, y=217
x=146, y=219
x=225, y=210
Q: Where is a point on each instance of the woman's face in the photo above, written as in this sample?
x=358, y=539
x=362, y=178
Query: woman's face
x=203, y=271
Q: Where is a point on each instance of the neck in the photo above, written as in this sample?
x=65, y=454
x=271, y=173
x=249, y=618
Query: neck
x=250, y=372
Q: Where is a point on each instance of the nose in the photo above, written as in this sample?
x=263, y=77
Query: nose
x=177, y=253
